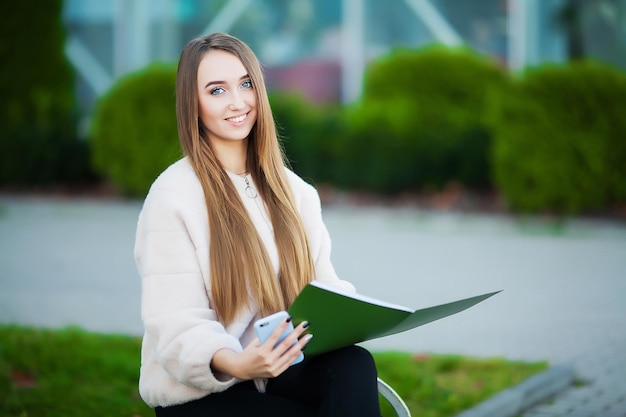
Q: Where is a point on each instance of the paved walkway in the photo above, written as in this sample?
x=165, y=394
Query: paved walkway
x=68, y=262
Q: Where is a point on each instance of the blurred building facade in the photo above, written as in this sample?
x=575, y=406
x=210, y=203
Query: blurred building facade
x=320, y=47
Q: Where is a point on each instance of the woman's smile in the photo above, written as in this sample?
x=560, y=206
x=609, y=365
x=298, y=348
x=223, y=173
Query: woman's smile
x=238, y=119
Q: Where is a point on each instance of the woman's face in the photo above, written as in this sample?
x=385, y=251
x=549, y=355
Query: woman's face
x=226, y=99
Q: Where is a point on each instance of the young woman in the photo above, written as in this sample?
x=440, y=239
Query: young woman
x=228, y=235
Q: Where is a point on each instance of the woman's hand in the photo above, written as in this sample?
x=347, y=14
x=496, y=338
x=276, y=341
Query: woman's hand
x=263, y=360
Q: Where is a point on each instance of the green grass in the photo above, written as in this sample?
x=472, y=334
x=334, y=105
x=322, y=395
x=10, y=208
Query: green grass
x=71, y=372
x=445, y=385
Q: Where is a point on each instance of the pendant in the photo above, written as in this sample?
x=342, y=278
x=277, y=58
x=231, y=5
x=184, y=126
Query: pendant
x=250, y=192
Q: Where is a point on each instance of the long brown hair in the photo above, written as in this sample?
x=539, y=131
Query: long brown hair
x=239, y=263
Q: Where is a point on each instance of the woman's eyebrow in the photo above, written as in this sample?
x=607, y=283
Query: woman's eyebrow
x=210, y=83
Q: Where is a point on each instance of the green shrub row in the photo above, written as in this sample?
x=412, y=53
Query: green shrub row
x=550, y=139
x=310, y=135
x=38, y=141
x=420, y=124
x=423, y=115
x=561, y=139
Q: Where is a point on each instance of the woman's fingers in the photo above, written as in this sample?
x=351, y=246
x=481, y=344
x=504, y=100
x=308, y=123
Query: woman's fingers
x=290, y=339
x=295, y=343
x=272, y=340
x=275, y=357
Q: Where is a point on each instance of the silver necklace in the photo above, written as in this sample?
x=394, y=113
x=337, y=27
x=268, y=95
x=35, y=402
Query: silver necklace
x=252, y=193
x=249, y=190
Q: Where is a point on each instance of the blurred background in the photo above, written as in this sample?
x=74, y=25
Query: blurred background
x=493, y=108
x=511, y=112
x=459, y=147
x=333, y=40
x=435, y=97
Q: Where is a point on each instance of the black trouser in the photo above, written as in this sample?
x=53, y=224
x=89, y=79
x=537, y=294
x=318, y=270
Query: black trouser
x=340, y=383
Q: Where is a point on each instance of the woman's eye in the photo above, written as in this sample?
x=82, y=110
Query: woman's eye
x=246, y=84
x=217, y=91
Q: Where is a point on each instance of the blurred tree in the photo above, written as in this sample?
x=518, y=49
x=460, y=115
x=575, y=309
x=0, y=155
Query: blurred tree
x=37, y=126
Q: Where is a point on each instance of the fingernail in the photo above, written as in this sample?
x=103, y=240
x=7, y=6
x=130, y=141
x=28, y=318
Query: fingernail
x=307, y=338
x=288, y=319
x=305, y=324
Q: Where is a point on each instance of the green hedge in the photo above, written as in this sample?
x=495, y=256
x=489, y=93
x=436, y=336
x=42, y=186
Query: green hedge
x=561, y=139
x=133, y=132
x=378, y=154
x=309, y=134
x=38, y=141
x=421, y=122
x=556, y=137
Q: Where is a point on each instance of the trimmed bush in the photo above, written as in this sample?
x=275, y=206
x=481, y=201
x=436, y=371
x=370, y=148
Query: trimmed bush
x=378, y=155
x=309, y=134
x=38, y=142
x=561, y=139
x=421, y=122
x=134, y=134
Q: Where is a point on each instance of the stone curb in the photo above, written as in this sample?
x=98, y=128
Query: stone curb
x=533, y=390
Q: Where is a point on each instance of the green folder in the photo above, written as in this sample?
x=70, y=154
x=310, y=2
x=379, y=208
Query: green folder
x=339, y=319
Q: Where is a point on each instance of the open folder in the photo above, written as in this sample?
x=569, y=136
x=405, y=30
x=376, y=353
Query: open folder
x=339, y=319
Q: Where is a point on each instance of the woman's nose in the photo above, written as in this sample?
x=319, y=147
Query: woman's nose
x=237, y=101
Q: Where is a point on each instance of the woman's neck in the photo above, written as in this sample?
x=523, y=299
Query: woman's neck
x=232, y=155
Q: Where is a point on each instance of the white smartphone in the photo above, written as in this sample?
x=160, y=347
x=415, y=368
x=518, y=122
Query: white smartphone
x=265, y=326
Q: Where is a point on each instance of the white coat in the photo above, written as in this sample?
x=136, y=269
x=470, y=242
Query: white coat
x=172, y=254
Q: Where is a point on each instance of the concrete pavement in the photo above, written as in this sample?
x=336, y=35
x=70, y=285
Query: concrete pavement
x=69, y=261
